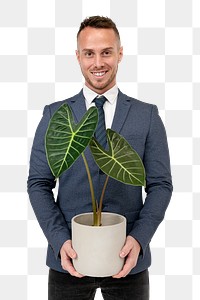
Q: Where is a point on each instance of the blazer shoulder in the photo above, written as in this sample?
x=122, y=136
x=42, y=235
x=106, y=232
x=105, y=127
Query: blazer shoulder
x=55, y=105
x=137, y=104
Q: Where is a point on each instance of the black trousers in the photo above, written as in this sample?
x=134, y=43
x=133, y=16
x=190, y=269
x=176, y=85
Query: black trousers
x=63, y=286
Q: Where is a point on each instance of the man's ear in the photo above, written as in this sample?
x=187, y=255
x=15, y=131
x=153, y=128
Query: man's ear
x=120, y=54
x=78, y=56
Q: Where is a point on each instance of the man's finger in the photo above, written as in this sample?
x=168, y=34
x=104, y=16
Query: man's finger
x=126, y=269
x=67, y=248
x=67, y=266
x=127, y=247
x=130, y=263
x=71, y=253
x=67, y=253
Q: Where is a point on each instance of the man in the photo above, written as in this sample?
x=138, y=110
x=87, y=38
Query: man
x=99, y=52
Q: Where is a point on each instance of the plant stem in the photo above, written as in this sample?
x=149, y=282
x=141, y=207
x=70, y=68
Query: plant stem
x=97, y=210
x=101, y=199
x=94, y=206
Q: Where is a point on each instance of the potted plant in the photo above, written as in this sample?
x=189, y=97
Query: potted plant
x=65, y=141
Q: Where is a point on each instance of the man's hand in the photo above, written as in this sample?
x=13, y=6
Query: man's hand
x=131, y=251
x=67, y=253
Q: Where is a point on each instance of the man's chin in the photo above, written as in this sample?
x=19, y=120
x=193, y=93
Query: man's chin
x=101, y=85
x=99, y=89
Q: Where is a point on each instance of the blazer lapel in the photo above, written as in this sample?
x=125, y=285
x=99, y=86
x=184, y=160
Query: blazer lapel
x=77, y=104
x=122, y=108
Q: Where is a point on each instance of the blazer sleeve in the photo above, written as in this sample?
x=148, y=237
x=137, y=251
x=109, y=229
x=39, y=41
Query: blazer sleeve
x=158, y=182
x=40, y=189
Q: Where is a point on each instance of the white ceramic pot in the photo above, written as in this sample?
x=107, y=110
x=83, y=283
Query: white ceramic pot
x=98, y=247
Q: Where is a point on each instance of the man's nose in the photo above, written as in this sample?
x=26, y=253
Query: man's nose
x=98, y=61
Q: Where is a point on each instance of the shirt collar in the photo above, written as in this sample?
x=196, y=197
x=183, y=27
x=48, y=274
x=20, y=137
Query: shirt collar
x=111, y=94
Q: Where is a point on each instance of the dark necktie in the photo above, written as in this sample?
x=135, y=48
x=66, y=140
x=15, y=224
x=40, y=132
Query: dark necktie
x=100, y=132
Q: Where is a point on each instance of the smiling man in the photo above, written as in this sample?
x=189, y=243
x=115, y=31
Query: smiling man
x=99, y=52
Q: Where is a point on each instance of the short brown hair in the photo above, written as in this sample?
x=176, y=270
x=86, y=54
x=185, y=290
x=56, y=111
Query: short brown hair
x=99, y=22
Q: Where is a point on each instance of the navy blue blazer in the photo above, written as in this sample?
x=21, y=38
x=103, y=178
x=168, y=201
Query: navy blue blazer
x=141, y=125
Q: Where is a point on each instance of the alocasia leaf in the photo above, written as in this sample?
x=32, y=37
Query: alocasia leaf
x=121, y=161
x=65, y=141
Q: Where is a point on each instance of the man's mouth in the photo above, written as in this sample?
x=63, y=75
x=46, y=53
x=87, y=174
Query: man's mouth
x=99, y=74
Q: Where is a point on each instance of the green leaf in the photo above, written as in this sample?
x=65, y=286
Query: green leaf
x=65, y=140
x=121, y=161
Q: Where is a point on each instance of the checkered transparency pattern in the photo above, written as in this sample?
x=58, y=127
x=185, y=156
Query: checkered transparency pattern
x=161, y=65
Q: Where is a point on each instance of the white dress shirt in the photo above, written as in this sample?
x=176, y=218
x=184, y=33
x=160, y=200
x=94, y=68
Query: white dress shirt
x=109, y=106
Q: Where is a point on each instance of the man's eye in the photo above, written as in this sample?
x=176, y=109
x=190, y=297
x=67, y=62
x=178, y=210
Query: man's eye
x=88, y=54
x=106, y=53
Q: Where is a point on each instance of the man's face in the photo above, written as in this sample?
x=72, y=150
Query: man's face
x=98, y=54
